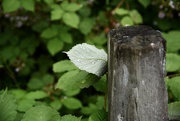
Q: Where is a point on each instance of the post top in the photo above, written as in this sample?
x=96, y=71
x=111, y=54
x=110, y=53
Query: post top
x=131, y=31
x=136, y=36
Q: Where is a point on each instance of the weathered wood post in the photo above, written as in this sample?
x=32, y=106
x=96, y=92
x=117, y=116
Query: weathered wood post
x=136, y=71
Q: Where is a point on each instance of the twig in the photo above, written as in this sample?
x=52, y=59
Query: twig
x=118, y=5
x=173, y=75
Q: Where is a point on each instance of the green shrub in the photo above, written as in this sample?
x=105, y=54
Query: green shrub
x=35, y=33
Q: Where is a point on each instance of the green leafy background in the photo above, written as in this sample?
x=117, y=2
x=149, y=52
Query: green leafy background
x=37, y=80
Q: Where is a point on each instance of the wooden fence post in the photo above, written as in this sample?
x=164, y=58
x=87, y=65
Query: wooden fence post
x=136, y=71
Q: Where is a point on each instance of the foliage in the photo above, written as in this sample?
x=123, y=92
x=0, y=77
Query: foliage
x=8, y=107
x=173, y=110
x=42, y=83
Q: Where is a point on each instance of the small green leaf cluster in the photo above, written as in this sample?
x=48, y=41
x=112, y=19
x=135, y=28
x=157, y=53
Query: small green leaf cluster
x=26, y=109
x=13, y=5
x=18, y=105
x=128, y=17
x=66, y=12
x=173, y=72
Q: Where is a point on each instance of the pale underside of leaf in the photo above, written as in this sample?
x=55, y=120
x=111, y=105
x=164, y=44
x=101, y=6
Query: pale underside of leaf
x=89, y=58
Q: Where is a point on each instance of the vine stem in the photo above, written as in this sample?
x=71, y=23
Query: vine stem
x=118, y=5
x=173, y=75
x=11, y=74
x=106, y=93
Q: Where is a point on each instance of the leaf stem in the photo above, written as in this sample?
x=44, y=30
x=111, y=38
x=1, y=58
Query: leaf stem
x=118, y=5
x=12, y=76
x=174, y=75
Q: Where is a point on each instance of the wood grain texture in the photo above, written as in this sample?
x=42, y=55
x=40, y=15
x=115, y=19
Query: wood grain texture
x=136, y=71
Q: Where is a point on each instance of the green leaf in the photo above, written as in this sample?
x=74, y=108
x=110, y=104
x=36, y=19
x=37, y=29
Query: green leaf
x=103, y=20
x=100, y=102
x=100, y=115
x=72, y=103
x=48, y=1
x=70, y=118
x=35, y=83
x=164, y=24
x=65, y=82
x=41, y=113
x=49, y=32
x=137, y=18
x=19, y=116
x=100, y=40
x=71, y=80
x=89, y=58
x=86, y=110
x=174, y=110
x=55, y=45
x=10, y=5
x=89, y=81
x=7, y=53
x=71, y=19
x=172, y=39
x=40, y=26
x=36, y=95
x=56, y=14
x=65, y=37
x=28, y=4
x=127, y=21
x=172, y=62
x=54, y=6
x=167, y=81
x=85, y=11
x=174, y=87
x=56, y=104
x=72, y=92
x=89, y=109
x=101, y=85
x=25, y=104
x=48, y=79
x=64, y=65
x=18, y=93
x=145, y=3
x=86, y=25
x=7, y=106
x=121, y=11
x=71, y=7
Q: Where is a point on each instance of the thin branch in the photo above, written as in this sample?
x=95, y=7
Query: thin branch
x=173, y=75
x=118, y=5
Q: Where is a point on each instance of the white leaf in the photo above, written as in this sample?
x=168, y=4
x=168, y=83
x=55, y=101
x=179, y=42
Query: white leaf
x=89, y=58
